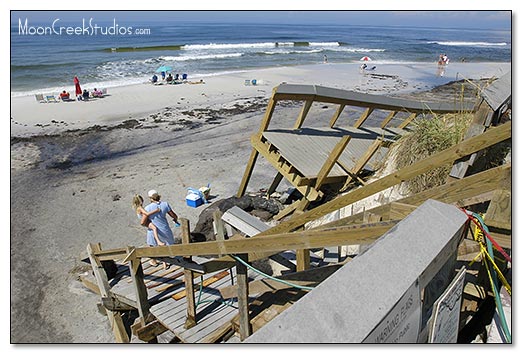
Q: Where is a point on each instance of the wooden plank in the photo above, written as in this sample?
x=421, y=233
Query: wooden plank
x=188, y=277
x=303, y=259
x=275, y=183
x=363, y=160
x=245, y=329
x=363, y=117
x=90, y=284
x=181, y=294
x=338, y=112
x=150, y=331
x=302, y=115
x=268, y=114
x=257, y=246
x=140, y=290
x=211, y=326
x=408, y=120
x=331, y=160
x=309, y=277
x=248, y=173
x=388, y=118
x=499, y=211
x=170, y=283
x=400, y=210
x=351, y=98
x=287, y=210
x=115, y=319
x=217, y=334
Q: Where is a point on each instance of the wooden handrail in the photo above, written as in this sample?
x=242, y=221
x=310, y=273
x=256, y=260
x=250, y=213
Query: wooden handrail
x=351, y=98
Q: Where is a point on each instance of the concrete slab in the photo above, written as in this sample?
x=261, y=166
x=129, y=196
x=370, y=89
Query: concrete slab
x=355, y=303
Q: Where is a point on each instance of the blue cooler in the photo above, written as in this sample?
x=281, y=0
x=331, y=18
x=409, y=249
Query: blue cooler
x=194, y=200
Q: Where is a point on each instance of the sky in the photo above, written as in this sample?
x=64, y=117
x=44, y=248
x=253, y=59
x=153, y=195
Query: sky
x=440, y=19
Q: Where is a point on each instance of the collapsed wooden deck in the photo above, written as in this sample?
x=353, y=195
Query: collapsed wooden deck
x=152, y=291
x=310, y=158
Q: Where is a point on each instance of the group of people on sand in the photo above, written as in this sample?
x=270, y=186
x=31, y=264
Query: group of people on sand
x=81, y=95
x=154, y=217
x=176, y=79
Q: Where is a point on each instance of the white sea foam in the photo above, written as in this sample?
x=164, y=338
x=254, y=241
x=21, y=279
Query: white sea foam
x=358, y=50
x=228, y=46
x=324, y=44
x=470, y=44
x=201, y=57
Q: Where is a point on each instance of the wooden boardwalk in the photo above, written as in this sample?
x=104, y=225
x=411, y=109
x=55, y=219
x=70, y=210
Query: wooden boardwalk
x=165, y=294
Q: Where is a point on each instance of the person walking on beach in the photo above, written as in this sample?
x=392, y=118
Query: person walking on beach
x=137, y=205
x=325, y=59
x=160, y=219
x=77, y=87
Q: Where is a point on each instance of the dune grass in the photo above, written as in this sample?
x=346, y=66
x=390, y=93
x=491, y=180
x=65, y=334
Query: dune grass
x=427, y=137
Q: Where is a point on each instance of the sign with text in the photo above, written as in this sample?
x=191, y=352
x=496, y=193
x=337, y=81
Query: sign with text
x=446, y=312
x=401, y=324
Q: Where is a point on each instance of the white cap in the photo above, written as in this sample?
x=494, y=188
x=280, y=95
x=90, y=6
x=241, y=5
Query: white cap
x=152, y=192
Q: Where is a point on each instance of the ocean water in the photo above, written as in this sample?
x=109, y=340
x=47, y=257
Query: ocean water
x=115, y=55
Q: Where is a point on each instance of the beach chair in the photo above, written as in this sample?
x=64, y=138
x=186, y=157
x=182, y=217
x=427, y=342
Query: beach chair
x=50, y=98
x=40, y=98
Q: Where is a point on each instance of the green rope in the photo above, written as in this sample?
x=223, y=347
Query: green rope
x=494, y=281
x=271, y=277
x=222, y=301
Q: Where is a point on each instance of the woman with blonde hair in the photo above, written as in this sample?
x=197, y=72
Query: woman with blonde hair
x=137, y=205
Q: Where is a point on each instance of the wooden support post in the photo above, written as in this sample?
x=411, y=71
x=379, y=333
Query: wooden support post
x=303, y=259
x=336, y=115
x=300, y=119
x=363, y=117
x=268, y=114
x=275, y=184
x=388, y=119
x=499, y=211
x=188, y=278
x=273, y=158
x=248, y=173
x=408, y=120
x=219, y=228
x=363, y=160
x=245, y=329
x=115, y=319
x=136, y=271
x=288, y=210
x=331, y=160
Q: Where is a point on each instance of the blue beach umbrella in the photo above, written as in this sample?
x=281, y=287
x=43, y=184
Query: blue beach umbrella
x=163, y=68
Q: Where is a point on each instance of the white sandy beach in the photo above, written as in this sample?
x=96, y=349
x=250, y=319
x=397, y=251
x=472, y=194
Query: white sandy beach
x=77, y=186
x=136, y=101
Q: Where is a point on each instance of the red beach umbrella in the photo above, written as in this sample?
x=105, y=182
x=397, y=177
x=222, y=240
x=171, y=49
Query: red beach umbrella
x=77, y=86
x=366, y=59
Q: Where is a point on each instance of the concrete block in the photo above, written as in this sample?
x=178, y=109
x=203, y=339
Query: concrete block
x=376, y=296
